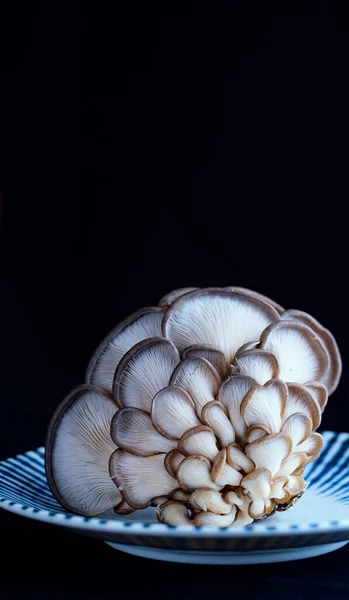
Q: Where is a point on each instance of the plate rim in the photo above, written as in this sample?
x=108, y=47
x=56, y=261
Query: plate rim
x=144, y=529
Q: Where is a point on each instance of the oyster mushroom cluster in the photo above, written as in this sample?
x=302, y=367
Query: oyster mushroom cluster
x=206, y=406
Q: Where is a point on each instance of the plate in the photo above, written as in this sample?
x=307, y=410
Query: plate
x=317, y=524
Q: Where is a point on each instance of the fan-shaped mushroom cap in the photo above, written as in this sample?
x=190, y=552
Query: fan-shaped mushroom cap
x=173, y=412
x=143, y=324
x=172, y=461
x=333, y=374
x=174, y=513
x=237, y=459
x=209, y=500
x=214, y=356
x=214, y=415
x=199, y=378
x=258, y=296
x=264, y=405
x=254, y=433
x=218, y=317
x=301, y=400
x=291, y=463
x=203, y=519
x=195, y=472
x=312, y=446
x=278, y=491
x=132, y=430
x=268, y=452
x=140, y=478
x=79, y=435
x=169, y=298
x=143, y=371
x=231, y=394
x=298, y=427
x=123, y=508
x=222, y=473
x=319, y=393
x=257, y=483
x=299, y=352
x=199, y=440
x=258, y=364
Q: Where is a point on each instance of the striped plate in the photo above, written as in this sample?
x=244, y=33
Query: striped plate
x=317, y=524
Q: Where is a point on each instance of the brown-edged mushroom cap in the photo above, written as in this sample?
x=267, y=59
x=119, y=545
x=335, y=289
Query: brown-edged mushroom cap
x=219, y=317
x=143, y=371
x=295, y=485
x=301, y=400
x=169, y=298
x=173, y=412
x=78, y=448
x=140, y=478
x=222, y=473
x=258, y=364
x=143, y=324
x=298, y=427
x=174, y=512
x=214, y=414
x=278, y=491
x=319, y=393
x=132, y=430
x=300, y=353
x=269, y=452
x=209, y=500
x=258, y=296
x=231, y=394
x=257, y=483
x=312, y=446
x=237, y=458
x=204, y=519
x=255, y=433
x=199, y=440
x=333, y=374
x=195, y=472
x=214, y=356
x=123, y=508
x=172, y=461
x=291, y=463
x=181, y=496
x=263, y=406
x=199, y=378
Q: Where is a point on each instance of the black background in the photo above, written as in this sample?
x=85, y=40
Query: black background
x=145, y=148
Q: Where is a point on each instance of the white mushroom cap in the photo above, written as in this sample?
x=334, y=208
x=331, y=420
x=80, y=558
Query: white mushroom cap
x=258, y=364
x=78, y=449
x=299, y=352
x=132, y=429
x=143, y=324
x=199, y=378
x=143, y=371
x=169, y=298
x=209, y=500
x=140, y=478
x=174, y=513
x=203, y=519
x=333, y=374
x=224, y=319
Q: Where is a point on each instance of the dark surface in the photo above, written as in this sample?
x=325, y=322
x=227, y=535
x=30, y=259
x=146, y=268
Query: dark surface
x=146, y=148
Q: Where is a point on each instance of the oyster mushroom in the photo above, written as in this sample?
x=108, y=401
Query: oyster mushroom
x=78, y=448
x=217, y=397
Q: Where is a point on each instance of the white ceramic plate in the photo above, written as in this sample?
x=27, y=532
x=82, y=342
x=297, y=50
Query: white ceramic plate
x=317, y=524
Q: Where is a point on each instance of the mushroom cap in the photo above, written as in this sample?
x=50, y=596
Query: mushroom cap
x=142, y=324
x=79, y=435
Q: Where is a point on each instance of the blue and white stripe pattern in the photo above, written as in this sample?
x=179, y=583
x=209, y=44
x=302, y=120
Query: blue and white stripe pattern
x=321, y=515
